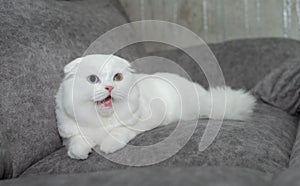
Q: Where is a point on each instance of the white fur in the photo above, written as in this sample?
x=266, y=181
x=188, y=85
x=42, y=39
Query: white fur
x=141, y=102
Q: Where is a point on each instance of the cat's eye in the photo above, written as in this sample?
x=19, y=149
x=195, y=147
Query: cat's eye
x=118, y=77
x=93, y=79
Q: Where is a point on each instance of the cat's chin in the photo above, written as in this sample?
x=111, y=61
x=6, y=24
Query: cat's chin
x=106, y=112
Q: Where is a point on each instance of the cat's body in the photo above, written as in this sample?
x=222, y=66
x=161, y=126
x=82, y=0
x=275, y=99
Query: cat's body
x=112, y=112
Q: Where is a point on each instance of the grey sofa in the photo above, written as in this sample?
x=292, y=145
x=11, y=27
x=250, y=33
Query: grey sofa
x=37, y=38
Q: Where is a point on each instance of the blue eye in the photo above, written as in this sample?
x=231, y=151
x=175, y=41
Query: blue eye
x=93, y=79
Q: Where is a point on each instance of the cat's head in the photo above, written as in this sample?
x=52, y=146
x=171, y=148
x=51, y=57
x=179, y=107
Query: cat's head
x=100, y=80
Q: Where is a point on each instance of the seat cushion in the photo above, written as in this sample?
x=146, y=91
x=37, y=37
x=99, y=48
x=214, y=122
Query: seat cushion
x=37, y=38
x=263, y=143
x=243, y=62
x=290, y=177
x=208, y=176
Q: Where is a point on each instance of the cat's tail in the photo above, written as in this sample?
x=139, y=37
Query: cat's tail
x=232, y=104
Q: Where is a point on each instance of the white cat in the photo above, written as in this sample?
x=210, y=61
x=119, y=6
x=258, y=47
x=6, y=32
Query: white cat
x=103, y=103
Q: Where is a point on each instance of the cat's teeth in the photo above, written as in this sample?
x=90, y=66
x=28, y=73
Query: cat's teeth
x=106, y=103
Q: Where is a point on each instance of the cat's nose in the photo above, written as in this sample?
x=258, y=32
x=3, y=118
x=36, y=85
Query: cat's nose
x=109, y=88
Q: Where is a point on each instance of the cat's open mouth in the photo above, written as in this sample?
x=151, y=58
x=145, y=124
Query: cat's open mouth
x=105, y=103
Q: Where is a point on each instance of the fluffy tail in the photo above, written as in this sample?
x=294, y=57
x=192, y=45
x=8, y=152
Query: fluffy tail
x=232, y=104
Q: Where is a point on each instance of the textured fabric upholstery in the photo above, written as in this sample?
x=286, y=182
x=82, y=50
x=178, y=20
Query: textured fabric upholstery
x=243, y=62
x=263, y=143
x=5, y=158
x=290, y=177
x=295, y=155
x=208, y=176
x=281, y=88
x=37, y=38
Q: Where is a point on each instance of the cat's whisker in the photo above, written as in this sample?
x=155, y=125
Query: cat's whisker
x=99, y=92
x=119, y=94
x=98, y=97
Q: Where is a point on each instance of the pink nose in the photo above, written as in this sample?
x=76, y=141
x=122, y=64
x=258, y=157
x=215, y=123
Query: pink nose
x=109, y=88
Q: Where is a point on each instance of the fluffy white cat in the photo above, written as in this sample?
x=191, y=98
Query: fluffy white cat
x=102, y=103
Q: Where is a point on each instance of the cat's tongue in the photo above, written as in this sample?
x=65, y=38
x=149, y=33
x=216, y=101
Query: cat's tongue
x=107, y=102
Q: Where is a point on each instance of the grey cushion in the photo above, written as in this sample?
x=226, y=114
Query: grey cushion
x=295, y=155
x=290, y=177
x=37, y=38
x=208, y=176
x=281, y=88
x=5, y=160
x=263, y=143
x=244, y=62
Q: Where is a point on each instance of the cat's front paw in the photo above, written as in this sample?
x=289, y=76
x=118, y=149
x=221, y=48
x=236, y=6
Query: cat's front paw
x=111, y=145
x=78, y=152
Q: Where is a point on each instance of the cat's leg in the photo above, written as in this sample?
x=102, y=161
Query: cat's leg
x=67, y=126
x=117, y=139
x=79, y=147
x=68, y=129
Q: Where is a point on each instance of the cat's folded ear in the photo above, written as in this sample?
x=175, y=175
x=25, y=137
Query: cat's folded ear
x=71, y=68
x=131, y=69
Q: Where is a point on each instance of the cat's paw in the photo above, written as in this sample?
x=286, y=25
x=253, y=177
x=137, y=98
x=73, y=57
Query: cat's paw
x=110, y=145
x=78, y=152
